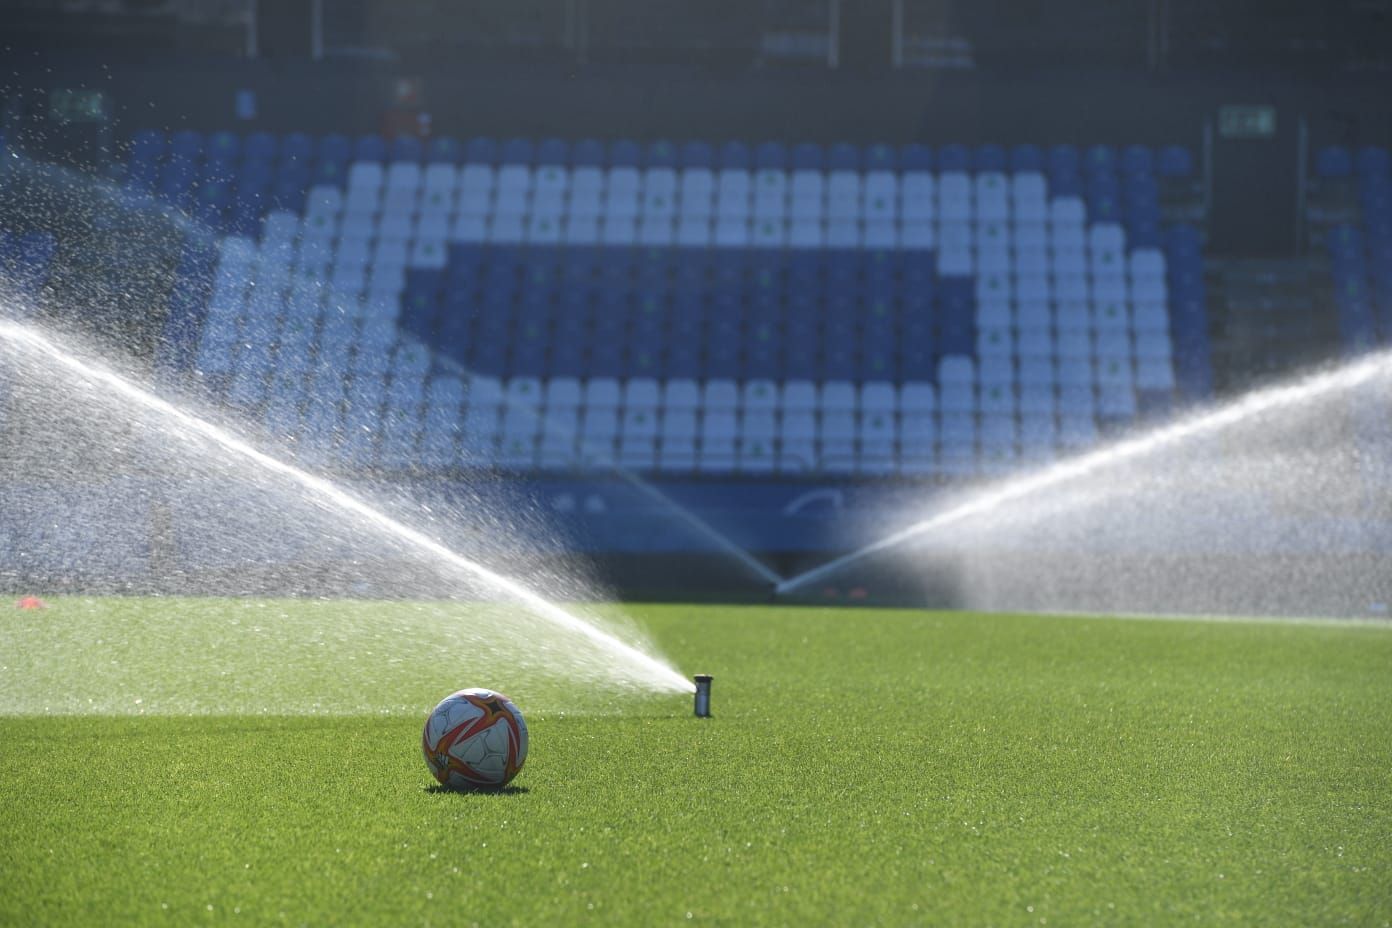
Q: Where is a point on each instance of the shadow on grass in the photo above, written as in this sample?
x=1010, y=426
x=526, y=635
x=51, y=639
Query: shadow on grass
x=451, y=791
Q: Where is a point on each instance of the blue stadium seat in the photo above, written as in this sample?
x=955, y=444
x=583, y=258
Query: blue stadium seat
x=1373, y=161
x=881, y=158
x=916, y=157
x=957, y=297
x=444, y=149
x=553, y=152
x=800, y=359
x=407, y=148
x=224, y=147
x=661, y=153
x=697, y=155
x=1027, y=158
x=1140, y=186
x=844, y=156
x=587, y=153
x=1346, y=262
x=1100, y=160
x=1358, y=323
x=1137, y=161
x=954, y=157
x=1174, y=161
x=480, y=150
x=27, y=259
x=918, y=354
x=250, y=201
x=370, y=147
x=567, y=357
x=186, y=144
x=723, y=360
x=770, y=156
x=296, y=147
x=409, y=368
x=991, y=158
x=1183, y=241
x=1065, y=185
x=625, y=153
x=288, y=193
x=1104, y=199
x=839, y=360
x=143, y=171
x=1380, y=256
x=220, y=167
x=335, y=147
x=211, y=199
x=261, y=146
x=807, y=156
x=735, y=155
x=176, y=181
x=1143, y=232
x=517, y=151
x=682, y=360
x=644, y=361
x=1063, y=162
x=878, y=362
x=335, y=151
x=255, y=174
x=531, y=344
x=1333, y=161
x=290, y=170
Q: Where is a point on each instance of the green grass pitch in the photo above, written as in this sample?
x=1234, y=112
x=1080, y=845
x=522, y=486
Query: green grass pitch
x=863, y=767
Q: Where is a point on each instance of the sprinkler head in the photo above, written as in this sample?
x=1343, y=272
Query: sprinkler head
x=703, y=687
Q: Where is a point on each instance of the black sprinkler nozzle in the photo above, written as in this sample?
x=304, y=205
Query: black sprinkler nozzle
x=703, y=695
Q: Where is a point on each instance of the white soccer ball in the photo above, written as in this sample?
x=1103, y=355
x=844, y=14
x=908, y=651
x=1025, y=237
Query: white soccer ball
x=475, y=739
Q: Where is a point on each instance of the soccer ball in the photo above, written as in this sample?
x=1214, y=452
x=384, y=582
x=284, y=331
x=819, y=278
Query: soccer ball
x=475, y=739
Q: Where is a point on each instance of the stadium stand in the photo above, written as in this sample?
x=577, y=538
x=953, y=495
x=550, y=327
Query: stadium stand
x=858, y=310
x=25, y=261
x=1353, y=195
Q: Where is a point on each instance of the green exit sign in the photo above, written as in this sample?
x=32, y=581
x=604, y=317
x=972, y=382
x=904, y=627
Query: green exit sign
x=1244, y=121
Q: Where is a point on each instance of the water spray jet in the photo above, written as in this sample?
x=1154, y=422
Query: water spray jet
x=659, y=675
x=1031, y=485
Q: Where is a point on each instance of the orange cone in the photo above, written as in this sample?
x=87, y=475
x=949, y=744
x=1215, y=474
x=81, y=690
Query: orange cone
x=31, y=602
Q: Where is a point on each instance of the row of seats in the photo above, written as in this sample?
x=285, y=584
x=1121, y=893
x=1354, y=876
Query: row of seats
x=229, y=184
x=1120, y=366
x=687, y=339
x=960, y=247
x=228, y=147
x=828, y=303
x=955, y=393
x=1361, y=256
x=994, y=384
x=993, y=278
x=404, y=188
x=730, y=208
x=1094, y=266
x=677, y=426
x=1336, y=161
